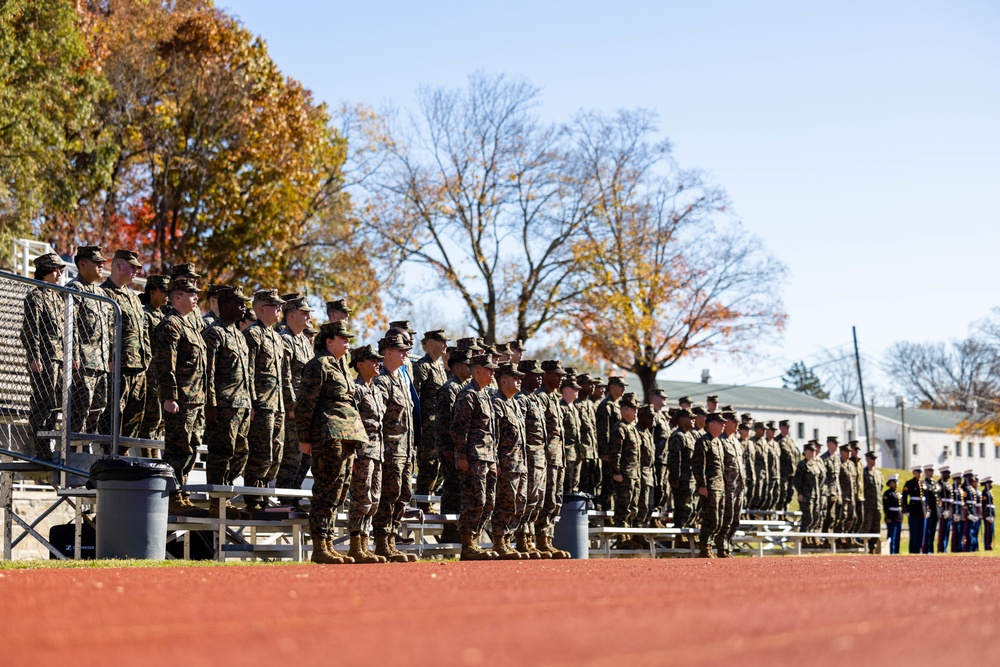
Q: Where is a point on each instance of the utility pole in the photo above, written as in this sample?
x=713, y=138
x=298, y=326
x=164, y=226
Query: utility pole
x=861, y=385
x=905, y=458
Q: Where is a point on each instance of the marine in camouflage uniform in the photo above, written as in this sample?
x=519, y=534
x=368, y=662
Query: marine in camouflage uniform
x=212, y=317
x=555, y=467
x=608, y=414
x=680, y=452
x=789, y=462
x=808, y=481
x=181, y=368
x=847, y=478
x=872, y=522
x=136, y=352
x=329, y=428
x=229, y=391
x=154, y=306
x=272, y=381
x=397, y=431
x=475, y=456
x=758, y=453
x=647, y=482
x=588, y=462
x=708, y=465
x=832, y=497
x=298, y=350
x=429, y=375
x=773, y=468
x=92, y=339
x=512, y=471
x=624, y=455
x=661, y=436
x=535, y=439
x=571, y=434
x=734, y=469
x=366, y=471
x=41, y=335
x=451, y=502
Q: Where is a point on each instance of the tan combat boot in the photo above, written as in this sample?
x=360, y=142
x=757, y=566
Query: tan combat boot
x=410, y=558
x=471, y=550
x=382, y=549
x=357, y=552
x=329, y=545
x=522, y=544
x=369, y=552
x=321, y=553
x=177, y=506
x=231, y=512
x=533, y=543
x=545, y=545
x=501, y=545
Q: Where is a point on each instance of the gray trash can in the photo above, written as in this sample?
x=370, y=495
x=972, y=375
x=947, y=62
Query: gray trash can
x=132, y=499
x=572, y=532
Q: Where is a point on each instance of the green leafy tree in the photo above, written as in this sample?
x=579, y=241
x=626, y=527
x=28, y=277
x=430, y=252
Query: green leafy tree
x=802, y=379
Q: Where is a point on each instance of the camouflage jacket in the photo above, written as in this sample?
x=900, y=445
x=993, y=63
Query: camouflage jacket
x=571, y=431
x=298, y=351
x=807, y=478
x=534, y=428
x=680, y=452
x=154, y=318
x=428, y=377
x=733, y=464
x=661, y=435
x=180, y=361
x=272, y=378
x=210, y=319
x=92, y=326
x=588, y=429
x=789, y=455
x=831, y=465
x=444, y=400
x=647, y=455
x=708, y=462
x=325, y=409
x=608, y=414
x=229, y=382
x=371, y=407
x=43, y=325
x=761, y=458
x=508, y=420
x=773, y=461
x=549, y=402
x=873, y=484
x=397, y=424
x=624, y=450
x=136, y=350
x=472, y=425
x=848, y=480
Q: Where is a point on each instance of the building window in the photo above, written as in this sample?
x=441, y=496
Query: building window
x=982, y=450
x=850, y=436
x=801, y=429
x=968, y=450
x=915, y=448
x=815, y=434
x=958, y=448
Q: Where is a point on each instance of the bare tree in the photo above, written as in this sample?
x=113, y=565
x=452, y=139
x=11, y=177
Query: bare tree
x=473, y=190
x=946, y=376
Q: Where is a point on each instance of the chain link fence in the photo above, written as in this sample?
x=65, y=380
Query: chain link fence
x=59, y=361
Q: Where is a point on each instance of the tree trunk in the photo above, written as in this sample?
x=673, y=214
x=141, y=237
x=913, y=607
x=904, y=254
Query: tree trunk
x=648, y=378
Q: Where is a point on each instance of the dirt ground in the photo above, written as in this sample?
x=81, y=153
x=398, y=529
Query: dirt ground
x=746, y=611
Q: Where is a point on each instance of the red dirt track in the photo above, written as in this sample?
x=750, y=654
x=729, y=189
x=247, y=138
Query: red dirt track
x=804, y=611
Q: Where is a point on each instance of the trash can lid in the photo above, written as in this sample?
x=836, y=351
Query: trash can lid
x=125, y=469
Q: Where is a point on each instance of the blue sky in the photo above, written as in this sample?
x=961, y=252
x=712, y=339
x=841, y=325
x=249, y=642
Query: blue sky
x=860, y=141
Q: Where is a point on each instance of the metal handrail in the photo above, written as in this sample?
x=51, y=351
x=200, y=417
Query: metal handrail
x=68, y=360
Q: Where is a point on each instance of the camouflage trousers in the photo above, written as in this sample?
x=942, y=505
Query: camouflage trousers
x=553, y=501
x=88, y=399
x=626, y=501
x=684, y=505
x=787, y=493
x=661, y=492
x=760, y=491
x=451, y=494
x=607, y=490
x=42, y=408
x=479, y=488
x=571, y=483
x=811, y=514
x=535, y=497
x=182, y=438
x=646, y=493
x=331, y=466
x=397, y=491
x=713, y=505
x=151, y=424
x=294, y=464
x=872, y=523
x=132, y=408
x=590, y=476
x=266, y=439
x=831, y=517
x=428, y=468
x=511, y=500
x=847, y=509
x=226, y=439
x=731, y=515
x=366, y=489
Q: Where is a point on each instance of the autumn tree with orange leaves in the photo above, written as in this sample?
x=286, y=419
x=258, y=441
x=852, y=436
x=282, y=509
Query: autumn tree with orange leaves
x=663, y=271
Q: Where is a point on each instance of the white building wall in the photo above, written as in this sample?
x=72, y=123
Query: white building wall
x=813, y=425
x=936, y=447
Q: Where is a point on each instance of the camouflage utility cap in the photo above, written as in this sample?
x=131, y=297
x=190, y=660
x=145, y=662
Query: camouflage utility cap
x=227, y=293
x=629, y=401
x=158, y=282
x=404, y=325
x=340, y=305
x=553, y=366
x=436, y=334
x=393, y=342
x=296, y=301
x=183, y=285
x=92, y=253
x=129, y=256
x=269, y=297
x=48, y=261
x=336, y=329
x=180, y=270
x=483, y=360
x=507, y=368
x=530, y=366
x=365, y=353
